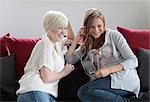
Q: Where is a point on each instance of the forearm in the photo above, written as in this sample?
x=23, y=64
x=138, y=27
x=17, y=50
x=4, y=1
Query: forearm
x=116, y=68
x=49, y=76
x=103, y=72
x=72, y=48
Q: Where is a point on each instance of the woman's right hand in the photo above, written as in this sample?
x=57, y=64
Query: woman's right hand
x=78, y=41
x=68, y=68
x=80, y=36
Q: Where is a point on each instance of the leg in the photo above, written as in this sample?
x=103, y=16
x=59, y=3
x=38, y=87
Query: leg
x=100, y=90
x=35, y=96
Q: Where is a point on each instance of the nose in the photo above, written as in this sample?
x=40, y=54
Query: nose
x=96, y=30
x=63, y=31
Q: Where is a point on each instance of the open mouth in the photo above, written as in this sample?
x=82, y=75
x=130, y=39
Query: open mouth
x=61, y=36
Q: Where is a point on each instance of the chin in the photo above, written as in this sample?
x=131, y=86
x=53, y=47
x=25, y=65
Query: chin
x=60, y=39
x=96, y=37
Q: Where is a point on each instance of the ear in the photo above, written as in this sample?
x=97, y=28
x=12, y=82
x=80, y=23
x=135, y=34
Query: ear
x=70, y=33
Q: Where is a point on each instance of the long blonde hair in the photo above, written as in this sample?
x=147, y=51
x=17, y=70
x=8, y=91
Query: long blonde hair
x=89, y=41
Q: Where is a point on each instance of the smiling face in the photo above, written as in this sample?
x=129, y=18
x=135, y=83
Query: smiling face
x=57, y=34
x=55, y=24
x=94, y=23
x=97, y=28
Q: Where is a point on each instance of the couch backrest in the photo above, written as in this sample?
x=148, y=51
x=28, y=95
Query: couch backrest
x=21, y=48
x=136, y=38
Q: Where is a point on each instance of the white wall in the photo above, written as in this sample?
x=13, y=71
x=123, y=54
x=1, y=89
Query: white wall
x=23, y=18
x=149, y=13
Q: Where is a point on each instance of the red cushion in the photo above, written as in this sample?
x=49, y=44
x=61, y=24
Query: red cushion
x=136, y=38
x=22, y=48
x=3, y=44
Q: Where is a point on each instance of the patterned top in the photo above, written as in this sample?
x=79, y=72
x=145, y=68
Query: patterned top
x=101, y=57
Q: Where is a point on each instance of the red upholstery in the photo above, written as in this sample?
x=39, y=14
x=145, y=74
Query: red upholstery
x=22, y=48
x=3, y=44
x=136, y=38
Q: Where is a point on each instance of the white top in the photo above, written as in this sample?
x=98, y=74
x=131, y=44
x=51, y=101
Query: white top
x=43, y=54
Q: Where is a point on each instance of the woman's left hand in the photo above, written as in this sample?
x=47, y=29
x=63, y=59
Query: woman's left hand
x=103, y=72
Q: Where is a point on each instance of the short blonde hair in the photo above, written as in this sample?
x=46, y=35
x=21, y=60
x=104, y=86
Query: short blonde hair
x=54, y=19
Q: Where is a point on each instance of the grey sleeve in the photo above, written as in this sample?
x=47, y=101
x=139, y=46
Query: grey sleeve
x=130, y=60
x=77, y=56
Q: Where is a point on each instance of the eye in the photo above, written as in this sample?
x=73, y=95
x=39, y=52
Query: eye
x=99, y=25
x=92, y=27
x=65, y=28
x=59, y=28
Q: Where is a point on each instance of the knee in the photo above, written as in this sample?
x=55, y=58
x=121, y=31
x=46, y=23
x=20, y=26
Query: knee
x=25, y=97
x=83, y=92
x=80, y=93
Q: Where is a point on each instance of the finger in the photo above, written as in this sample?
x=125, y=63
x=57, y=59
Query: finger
x=73, y=68
x=70, y=65
x=83, y=27
x=82, y=30
x=97, y=72
x=66, y=64
x=98, y=76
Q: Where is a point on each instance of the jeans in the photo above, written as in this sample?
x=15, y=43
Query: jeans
x=35, y=96
x=100, y=90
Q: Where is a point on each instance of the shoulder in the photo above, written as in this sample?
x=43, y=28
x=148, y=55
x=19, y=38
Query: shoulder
x=44, y=44
x=114, y=34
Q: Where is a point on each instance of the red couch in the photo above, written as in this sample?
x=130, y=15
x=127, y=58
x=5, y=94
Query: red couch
x=19, y=50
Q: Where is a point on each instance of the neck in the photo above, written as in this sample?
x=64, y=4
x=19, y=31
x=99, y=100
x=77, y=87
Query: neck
x=97, y=43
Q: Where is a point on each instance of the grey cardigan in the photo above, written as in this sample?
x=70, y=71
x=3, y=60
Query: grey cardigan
x=126, y=79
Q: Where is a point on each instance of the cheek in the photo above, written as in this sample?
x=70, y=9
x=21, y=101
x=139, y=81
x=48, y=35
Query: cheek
x=55, y=31
x=100, y=29
x=91, y=31
x=65, y=31
x=103, y=28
